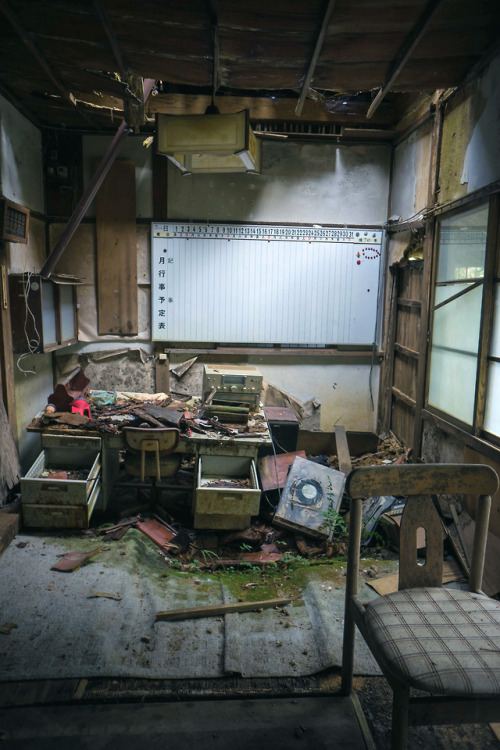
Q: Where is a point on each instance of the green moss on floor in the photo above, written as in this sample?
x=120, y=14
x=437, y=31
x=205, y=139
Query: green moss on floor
x=286, y=578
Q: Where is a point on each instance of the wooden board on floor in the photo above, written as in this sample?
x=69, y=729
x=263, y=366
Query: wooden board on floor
x=117, y=251
x=389, y=584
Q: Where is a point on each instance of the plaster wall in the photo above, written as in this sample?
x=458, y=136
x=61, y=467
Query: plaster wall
x=21, y=175
x=409, y=187
x=343, y=390
x=300, y=182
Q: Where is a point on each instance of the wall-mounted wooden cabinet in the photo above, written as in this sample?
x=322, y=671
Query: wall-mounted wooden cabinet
x=43, y=313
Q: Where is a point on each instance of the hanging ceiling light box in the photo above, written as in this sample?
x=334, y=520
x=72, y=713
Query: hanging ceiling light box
x=209, y=143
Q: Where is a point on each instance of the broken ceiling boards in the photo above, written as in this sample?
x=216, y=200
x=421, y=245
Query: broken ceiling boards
x=311, y=498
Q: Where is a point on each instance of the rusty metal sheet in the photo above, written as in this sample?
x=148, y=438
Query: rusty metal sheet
x=157, y=532
x=273, y=470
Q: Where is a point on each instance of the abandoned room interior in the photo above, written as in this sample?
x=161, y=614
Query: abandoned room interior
x=250, y=374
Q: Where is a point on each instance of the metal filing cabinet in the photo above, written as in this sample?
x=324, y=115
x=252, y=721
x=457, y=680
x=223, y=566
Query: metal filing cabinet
x=225, y=507
x=62, y=503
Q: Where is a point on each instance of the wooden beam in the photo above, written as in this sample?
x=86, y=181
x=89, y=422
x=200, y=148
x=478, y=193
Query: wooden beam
x=427, y=277
x=112, y=39
x=91, y=191
x=487, y=312
x=406, y=351
x=116, y=267
x=343, y=455
x=314, y=59
x=266, y=108
x=403, y=397
x=162, y=371
x=219, y=609
x=416, y=303
x=41, y=59
x=214, y=11
x=160, y=187
x=7, y=385
x=405, y=53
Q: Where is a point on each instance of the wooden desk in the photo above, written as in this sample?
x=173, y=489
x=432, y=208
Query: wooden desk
x=195, y=444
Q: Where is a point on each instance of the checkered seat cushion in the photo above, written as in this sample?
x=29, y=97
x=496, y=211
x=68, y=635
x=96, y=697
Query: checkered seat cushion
x=443, y=641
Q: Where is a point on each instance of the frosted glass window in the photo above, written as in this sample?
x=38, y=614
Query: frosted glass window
x=495, y=338
x=492, y=413
x=67, y=312
x=452, y=383
x=48, y=314
x=457, y=323
x=462, y=245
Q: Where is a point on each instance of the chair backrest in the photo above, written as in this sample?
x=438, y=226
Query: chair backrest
x=138, y=439
x=419, y=482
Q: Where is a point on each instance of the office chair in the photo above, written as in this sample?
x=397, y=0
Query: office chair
x=149, y=453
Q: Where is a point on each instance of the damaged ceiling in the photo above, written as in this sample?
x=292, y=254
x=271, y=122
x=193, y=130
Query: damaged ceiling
x=323, y=68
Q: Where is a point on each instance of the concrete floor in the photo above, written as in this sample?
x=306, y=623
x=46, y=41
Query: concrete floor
x=322, y=723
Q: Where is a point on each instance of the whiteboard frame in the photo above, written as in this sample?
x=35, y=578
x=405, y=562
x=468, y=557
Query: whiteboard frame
x=264, y=285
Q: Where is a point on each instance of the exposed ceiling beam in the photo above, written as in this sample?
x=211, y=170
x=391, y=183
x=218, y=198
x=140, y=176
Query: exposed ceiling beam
x=40, y=57
x=214, y=20
x=267, y=108
x=112, y=38
x=90, y=193
x=314, y=59
x=405, y=53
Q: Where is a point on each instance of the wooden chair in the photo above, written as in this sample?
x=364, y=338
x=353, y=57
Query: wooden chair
x=443, y=641
x=150, y=453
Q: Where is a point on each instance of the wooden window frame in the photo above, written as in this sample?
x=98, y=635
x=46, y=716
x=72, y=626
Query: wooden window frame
x=475, y=436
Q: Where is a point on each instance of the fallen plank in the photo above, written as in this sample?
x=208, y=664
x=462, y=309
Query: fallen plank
x=179, y=370
x=165, y=414
x=217, y=610
x=389, y=584
x=343, y=454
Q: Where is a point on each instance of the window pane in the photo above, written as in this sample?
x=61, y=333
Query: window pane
x=457, y=324
x=49, y=313
x=492, y=415
x=67, y=312
x=495, y=339
x=453, y=383
x=462, y=245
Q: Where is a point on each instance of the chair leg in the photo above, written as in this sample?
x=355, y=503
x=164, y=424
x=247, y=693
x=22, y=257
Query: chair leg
x=400, y=706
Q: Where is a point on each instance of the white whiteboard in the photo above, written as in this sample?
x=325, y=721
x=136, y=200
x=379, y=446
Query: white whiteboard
x=264, y=285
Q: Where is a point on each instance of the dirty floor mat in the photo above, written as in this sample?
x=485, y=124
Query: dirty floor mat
x=52, y=624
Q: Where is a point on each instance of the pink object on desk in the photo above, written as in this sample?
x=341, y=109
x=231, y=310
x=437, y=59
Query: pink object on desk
x=81, y=406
